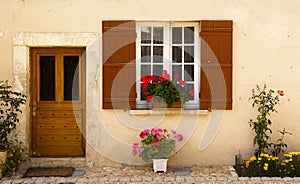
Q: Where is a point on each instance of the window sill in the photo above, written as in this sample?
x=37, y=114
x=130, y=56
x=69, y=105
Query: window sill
x=166, y=112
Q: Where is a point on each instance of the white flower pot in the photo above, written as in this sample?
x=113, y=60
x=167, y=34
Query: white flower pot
x=160, y=165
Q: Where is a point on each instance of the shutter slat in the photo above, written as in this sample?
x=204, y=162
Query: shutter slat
x=216, y=64
x=119, y=68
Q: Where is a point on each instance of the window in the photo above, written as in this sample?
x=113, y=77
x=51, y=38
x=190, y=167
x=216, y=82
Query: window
x=168, y=46
x=127, y=55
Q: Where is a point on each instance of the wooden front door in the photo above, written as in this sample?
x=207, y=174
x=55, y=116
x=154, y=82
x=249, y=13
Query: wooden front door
x=58, y=101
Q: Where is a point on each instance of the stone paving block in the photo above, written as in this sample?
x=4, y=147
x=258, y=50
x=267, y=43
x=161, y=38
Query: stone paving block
x=296, y=179
x=93, y=180
x=114, y=179
x=29, y=180
x=6, y=181
x=232, y=178
x=124, y=179
x=136, y=179
x=190, y=179
x=221, y=178
x=169, y=179
x=255, y=179
x=18, y=180
x=82, y=180
x=199, y=179
x=243, y=178
x=103, y=179
x=180, y=179
x=211, y=178
x=157, y=179
x=266, y=178
x=287, y=179
x=147, y=179
x=276, y=178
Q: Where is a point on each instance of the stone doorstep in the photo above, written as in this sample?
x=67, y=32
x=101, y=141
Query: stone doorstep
x=57, y=162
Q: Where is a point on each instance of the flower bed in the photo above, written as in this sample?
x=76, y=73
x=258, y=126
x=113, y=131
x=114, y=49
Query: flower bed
x=270, y=166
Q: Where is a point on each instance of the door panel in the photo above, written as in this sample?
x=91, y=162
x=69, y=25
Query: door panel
x=58, y=101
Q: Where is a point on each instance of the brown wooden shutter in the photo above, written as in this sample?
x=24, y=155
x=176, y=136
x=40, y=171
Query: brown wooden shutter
x=216, y=64
x=119, y=70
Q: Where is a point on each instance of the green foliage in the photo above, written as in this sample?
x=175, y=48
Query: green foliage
x=290, y=166
x=270, y=166
x=263, y=165
x=169, y=91
x=266, y=102
x=164, y=150
x=10, y=102
x=279, y=146
x=16, y=154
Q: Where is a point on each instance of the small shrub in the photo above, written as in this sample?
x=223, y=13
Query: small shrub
x=16, y=154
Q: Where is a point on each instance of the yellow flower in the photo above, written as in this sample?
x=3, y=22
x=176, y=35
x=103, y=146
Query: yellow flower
x=266, y=166
x=247, y=164
x=259, y=158
x=252, y=158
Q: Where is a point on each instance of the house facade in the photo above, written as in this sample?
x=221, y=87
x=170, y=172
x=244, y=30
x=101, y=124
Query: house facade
x=80, y=63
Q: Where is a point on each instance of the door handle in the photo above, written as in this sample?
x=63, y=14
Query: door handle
x=34, y=107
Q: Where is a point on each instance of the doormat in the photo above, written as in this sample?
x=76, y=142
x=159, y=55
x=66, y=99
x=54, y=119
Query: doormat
x=181, y=171
x=49, y=171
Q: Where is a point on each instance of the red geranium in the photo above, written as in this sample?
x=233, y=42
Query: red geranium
x=280, y=92
x=169, y=91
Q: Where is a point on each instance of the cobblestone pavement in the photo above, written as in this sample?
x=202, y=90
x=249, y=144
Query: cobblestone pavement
x=145, y=174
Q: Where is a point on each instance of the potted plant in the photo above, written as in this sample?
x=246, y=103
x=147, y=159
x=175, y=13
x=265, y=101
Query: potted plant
x=157, y=145
x=10, y=102
x=169, y=91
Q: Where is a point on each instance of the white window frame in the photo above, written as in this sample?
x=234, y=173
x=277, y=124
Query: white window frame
x=167, y=55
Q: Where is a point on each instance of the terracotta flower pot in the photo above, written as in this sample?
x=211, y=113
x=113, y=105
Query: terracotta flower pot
x=3, y=157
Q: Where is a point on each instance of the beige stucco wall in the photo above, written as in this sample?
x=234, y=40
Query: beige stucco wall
x=266, y=50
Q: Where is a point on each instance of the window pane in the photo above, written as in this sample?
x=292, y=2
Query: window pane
x=176, y=35
x=142, y=94
x=158, y=35
x=146, y=34
x=158, y=54
x=47, y=78
x=71, y=78
x=189, y=72
x=177, y=70
x=189, y=54
x=190, y=87
x=146, y=54
x=176, y=54
x=145, y=70
x=157, y=70
x=189, y=35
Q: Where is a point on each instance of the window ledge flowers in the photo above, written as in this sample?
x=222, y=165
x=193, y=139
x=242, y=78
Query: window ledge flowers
x=156, y=143
x=170, y=91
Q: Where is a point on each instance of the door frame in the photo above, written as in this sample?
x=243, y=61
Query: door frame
x=32, y=91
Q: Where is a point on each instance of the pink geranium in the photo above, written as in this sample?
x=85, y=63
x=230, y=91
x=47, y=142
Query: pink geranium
x=156, y=143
